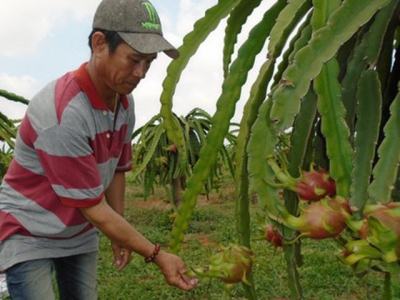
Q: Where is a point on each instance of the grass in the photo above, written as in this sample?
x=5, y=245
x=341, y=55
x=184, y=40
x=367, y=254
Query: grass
x=322, y=276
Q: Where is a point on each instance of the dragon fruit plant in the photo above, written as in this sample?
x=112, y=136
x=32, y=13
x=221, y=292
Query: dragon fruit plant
x=231, y=264
x=312, y=185
x=327, y=86
x=319, y=220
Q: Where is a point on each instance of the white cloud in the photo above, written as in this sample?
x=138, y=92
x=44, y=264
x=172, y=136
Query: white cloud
x=24, y=86
x=24, y=24
x=190, y=11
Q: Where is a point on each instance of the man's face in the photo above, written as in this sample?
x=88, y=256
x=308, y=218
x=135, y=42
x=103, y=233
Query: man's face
x=126, y=67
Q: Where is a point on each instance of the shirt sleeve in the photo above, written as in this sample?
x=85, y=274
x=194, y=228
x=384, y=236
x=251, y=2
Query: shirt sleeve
x=125, y=160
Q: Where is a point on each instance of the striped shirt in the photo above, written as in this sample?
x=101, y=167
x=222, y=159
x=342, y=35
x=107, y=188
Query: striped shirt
x=67, y=151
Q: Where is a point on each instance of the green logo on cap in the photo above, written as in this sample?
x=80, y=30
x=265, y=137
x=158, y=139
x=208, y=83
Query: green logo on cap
x=154, y=22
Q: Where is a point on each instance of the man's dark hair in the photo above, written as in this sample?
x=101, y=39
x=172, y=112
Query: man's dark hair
x=113, y=39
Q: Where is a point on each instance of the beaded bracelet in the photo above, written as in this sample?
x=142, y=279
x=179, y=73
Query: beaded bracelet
x=152, y=257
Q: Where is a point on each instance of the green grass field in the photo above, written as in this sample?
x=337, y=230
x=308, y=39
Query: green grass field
x=322, y=276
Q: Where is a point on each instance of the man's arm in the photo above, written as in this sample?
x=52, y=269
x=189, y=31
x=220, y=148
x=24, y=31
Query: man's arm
x=115, y=193
x=115, y=197
x=117, y=229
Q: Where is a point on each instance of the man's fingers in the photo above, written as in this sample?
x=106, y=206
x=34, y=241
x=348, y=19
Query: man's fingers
x=185, y=282
x=122, y=258
x=191, y=280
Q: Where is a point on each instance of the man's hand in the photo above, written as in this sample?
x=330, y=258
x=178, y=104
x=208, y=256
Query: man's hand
x=174, y=269
x=122, y=256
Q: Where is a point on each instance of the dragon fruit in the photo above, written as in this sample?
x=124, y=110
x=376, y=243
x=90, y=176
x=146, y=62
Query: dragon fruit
x=319, y=220
x=231, y=264
x=384, y=229
x=360, y=255
x=273, y=235
x=312, y=185
x=171, y=148
x=380, y=230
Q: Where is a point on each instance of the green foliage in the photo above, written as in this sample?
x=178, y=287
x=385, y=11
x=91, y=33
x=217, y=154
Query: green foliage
x=6, y=156
x=334, y=93
x=13, y=97
x=220, y=124
x=8, y=127
x=8, y=132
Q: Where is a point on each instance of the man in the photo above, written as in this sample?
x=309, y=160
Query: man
x=67, y=179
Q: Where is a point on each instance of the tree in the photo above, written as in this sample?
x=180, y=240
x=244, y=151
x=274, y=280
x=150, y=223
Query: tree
x=159, y=161
x=330, y=81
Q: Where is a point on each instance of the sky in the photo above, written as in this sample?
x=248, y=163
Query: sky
x=44, y=39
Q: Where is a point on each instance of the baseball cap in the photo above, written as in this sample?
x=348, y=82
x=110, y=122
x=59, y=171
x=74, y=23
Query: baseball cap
x=138, y=24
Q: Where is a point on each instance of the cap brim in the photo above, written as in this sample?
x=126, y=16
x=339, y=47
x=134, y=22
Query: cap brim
x=148, y=43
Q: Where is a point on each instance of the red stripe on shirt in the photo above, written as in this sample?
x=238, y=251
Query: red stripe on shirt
x=66, y=89
x=37, y=188
x=70, y=172
x=108, y=145
x=125, y=158
x=9, y=226
x=80, y=203
x=27, y=133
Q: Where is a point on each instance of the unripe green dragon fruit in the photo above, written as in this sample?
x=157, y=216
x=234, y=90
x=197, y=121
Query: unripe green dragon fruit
x=231, y=264
x=321, y=219
x=357, y=250
x=384, y=229
x=312, y=185
x=379, y=234
x=381, y=228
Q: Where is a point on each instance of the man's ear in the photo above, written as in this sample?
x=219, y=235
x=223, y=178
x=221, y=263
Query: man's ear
x=99, y=43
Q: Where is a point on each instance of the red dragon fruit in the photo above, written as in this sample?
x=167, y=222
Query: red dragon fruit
x=231, y=264
x=319, y=220
x=312, y=185
x=273, y=235
x=171, y=148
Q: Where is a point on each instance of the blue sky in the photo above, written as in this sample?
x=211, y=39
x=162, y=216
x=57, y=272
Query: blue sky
x=43, y=39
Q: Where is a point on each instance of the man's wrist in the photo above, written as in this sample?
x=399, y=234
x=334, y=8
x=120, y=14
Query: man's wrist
x=152, y=257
